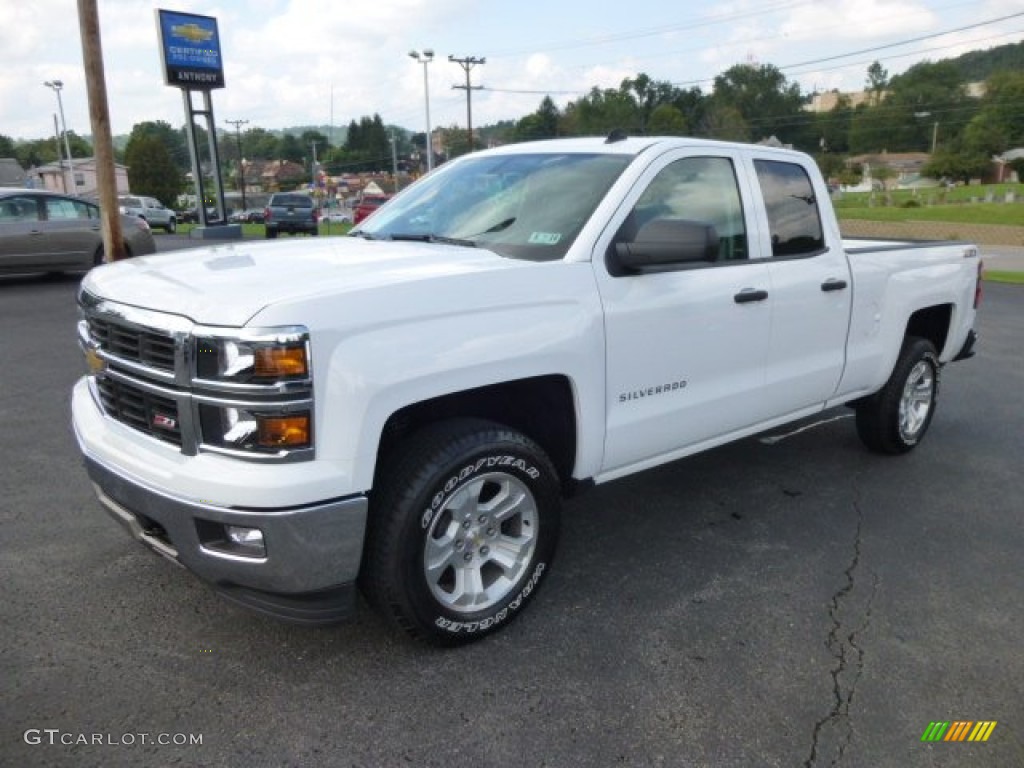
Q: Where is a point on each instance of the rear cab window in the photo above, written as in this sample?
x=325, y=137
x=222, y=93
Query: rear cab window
x=794, y=221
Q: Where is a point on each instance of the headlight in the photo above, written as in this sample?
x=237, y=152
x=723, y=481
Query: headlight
x=260, y=359
x=254, y=392
x=252, y=429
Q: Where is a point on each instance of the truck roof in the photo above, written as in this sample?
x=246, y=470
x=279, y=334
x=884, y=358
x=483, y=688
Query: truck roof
x=624, y=145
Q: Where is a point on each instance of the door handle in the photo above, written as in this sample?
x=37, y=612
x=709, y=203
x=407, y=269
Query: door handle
x=833, y=284
x=748, y=295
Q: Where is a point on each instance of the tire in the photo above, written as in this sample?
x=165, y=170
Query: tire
x=458, y=496
x=271, y=233
x=895, y=419
x=314, y=232
x=98, y=256
x=172, y=226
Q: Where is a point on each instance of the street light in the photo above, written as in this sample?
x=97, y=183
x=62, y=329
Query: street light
x=935, y=129
x=56, y=85
x=425, y=58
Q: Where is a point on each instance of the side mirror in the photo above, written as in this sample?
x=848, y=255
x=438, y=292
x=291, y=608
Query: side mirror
x=664, y=242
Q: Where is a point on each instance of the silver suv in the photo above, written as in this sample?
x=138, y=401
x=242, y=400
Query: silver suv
x=150, y=209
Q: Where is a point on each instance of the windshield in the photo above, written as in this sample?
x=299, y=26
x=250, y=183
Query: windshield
x=528, y=206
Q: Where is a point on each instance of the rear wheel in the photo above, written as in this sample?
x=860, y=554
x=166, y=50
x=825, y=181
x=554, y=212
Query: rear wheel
x=463, y=528
x=896, y=418
x=271, y=233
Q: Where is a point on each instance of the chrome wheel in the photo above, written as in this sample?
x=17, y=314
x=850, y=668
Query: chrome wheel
x=481, y=543
x=916, y=401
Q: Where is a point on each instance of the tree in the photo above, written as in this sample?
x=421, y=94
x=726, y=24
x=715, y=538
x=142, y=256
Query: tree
x=542, y=124
x=6, y=146
x=877, y=82
x=959, y=166
x=152, y=171
x=767, y=102
x=667, y=120
x=173, y=140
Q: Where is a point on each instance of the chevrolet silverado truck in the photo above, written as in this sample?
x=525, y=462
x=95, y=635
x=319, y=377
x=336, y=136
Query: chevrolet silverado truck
x=404, y=409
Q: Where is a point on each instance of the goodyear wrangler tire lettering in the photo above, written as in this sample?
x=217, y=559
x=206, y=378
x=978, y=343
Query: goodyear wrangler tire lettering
x=463, y=528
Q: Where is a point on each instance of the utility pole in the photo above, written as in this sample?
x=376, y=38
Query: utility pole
x=99, y=119
x=314, y=172
x=241, y=166
x=394, y=161
x=467, y=64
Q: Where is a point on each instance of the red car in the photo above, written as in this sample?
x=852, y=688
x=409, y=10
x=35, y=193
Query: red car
x=367, y=205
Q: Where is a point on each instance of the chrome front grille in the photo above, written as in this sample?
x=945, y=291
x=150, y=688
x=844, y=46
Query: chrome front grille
x=153, y=414
x=138, y=345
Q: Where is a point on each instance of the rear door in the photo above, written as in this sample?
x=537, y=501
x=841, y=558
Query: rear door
x=72, y=232
x=810, y=284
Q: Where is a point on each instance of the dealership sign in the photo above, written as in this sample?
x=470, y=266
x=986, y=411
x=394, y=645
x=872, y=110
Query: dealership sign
x=190, y=50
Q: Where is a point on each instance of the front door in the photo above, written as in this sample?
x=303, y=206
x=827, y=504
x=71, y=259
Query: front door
x=685, y=346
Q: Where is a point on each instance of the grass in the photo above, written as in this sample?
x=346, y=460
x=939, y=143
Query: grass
x=997, y=276
x=258, y=231
x=959, y=204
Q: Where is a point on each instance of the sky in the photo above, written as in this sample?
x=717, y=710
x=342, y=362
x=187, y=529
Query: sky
x=314, y=62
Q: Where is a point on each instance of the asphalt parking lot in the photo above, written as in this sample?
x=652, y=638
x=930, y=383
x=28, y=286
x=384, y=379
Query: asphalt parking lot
x=789, y=600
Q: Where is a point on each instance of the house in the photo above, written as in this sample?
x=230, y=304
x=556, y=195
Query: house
x=11, y=173
x=53, y=176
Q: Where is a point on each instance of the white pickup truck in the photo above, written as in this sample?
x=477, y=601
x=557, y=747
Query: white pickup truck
x=404, y=409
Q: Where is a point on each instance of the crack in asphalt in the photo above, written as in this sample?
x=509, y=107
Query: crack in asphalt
x=835, y=730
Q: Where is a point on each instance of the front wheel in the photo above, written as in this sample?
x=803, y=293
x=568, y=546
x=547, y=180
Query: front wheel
x=462, y=531
x=172, y=226
x=895, y=419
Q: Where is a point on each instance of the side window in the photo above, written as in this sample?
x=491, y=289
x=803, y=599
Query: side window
x=793, y=218
x=57, y=209
x=698, y=189
x=19, y=208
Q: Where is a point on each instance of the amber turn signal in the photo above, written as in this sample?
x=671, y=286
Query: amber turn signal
x=284, y=431
x=277, y=362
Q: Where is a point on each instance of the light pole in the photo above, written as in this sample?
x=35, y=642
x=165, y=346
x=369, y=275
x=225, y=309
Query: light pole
x=425, y=58
x=56, y=85
x=241, y=165
x=935, y=129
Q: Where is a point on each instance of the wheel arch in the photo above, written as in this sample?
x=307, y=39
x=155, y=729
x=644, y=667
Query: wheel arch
x=542, y=408
x=932, y=323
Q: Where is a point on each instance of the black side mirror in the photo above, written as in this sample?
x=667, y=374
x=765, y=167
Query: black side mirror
x=665, y=242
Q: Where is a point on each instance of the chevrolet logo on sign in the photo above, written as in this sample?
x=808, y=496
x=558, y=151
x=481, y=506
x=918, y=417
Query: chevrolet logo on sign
x=192, y=32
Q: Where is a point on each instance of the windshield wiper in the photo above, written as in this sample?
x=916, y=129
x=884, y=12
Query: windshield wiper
x=428, y=238
x=364, y=235
x=500, y=226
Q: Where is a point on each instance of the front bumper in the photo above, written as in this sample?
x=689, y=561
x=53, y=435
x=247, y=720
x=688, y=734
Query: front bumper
x=312, y=552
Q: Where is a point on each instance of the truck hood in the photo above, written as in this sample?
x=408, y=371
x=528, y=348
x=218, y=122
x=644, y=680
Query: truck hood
x=229, y=284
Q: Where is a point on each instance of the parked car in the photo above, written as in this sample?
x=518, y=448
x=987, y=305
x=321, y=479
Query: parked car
x=248, y=216
x=290, y=212
x=47, y=232
x=337, y=217
x=152, y=210
x=368, y=204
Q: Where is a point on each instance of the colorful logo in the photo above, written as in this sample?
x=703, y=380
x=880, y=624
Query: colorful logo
x=959, y=730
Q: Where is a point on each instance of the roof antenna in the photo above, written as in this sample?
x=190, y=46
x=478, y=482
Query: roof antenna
x=617, y=134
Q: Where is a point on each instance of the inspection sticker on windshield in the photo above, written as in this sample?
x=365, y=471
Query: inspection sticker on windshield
x=545, y=238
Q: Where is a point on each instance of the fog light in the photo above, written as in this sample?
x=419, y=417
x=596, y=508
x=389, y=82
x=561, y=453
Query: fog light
x=283, y=431
x=249, y=540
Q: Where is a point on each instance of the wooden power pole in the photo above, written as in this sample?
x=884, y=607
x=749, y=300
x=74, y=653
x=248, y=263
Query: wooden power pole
x=99, y=118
